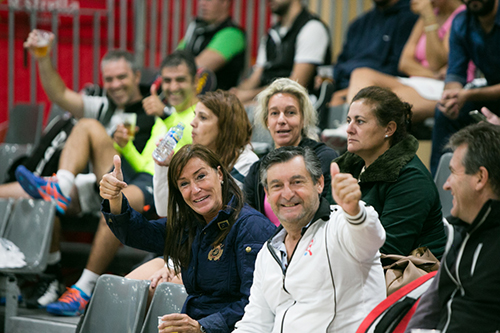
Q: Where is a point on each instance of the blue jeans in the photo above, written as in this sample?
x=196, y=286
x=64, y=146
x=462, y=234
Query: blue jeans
x=444, y=127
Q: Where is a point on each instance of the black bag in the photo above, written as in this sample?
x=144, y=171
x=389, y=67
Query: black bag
x=44, y=158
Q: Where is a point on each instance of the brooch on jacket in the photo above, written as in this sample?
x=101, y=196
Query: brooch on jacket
x=215, y=253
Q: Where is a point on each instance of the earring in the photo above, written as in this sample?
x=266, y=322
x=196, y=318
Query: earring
x=222, y=182
x=386, y=136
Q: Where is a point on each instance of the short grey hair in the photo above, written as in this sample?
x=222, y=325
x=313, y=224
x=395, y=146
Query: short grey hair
x=117, y=54
x=483, y=149
x=287, y=86
x=285, y=154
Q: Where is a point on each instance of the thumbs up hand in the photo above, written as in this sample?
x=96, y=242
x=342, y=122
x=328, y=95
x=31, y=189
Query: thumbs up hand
x=153, y=105
x=345, y=190
x=111, y=186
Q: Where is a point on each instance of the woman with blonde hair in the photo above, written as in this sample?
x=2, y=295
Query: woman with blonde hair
x=285, y=110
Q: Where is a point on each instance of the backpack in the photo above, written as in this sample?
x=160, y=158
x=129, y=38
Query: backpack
x=44, y=158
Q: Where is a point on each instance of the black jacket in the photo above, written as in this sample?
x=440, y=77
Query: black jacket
x=468, y=299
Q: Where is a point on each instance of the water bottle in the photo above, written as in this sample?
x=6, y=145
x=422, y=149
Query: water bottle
x=169, y=142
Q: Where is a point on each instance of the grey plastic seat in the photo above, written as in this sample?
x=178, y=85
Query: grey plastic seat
x=9, y=152
x=442, y=173
x=30, y=228
x=168, y=298
x=117, y=305
x=25, y=124
x=5, y=209
x=337, y=115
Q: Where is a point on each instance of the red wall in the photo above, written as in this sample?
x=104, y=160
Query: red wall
x=21, y=79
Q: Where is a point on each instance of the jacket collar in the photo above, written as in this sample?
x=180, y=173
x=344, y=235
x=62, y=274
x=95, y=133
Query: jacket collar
x=386, y=167
x=488, y=216
x=221, y=221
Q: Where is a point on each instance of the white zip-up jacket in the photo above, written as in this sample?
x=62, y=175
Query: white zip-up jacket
x=333, y=280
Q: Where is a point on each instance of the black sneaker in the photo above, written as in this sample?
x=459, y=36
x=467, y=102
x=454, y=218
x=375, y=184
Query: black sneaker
x=47, y=291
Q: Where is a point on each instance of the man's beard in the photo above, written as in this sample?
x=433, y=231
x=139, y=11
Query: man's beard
x=486, y=8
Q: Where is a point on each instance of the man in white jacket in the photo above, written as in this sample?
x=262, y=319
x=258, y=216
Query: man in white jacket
x=321, y=270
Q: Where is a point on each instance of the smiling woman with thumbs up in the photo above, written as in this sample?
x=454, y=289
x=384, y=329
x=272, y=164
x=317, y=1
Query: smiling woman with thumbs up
x=211, y=236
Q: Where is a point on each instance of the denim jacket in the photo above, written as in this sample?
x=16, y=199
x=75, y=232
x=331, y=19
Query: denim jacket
x=217, y=280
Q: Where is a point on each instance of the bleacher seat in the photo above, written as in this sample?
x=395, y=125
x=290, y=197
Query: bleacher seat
x=117, y=305
x=9, y=152
x=29, y=227
x=168, y=298
x=25, y=124
x=442, y=173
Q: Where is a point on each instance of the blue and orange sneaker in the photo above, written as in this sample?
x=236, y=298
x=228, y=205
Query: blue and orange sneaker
x=71, y=303
x=45, y=188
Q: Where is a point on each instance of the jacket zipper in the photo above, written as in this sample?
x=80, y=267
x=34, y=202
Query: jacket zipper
x=457, y=266
x=278, y=261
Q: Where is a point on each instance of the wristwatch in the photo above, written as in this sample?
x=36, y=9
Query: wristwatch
x=202, y=329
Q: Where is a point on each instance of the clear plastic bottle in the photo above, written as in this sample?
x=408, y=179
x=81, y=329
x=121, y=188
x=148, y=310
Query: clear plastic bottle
x=169, y=142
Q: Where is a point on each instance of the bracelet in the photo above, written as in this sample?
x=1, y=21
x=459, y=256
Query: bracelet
x=432, y=27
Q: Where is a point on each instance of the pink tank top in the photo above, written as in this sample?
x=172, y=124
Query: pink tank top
x=420, y=48
x=269, y=212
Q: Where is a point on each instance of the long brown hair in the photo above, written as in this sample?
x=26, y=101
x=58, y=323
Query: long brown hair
x=182, y=221
x=235, y=129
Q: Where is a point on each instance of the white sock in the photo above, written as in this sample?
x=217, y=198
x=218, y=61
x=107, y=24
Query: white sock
x=54, y=258
x=87, y=281
x=65, y=179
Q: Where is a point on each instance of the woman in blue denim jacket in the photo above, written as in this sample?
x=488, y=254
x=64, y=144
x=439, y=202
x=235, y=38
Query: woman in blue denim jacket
x=211, y=236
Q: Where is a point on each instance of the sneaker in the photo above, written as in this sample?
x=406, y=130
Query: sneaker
x=71, y=303
x=47, y=291
x=45, y=188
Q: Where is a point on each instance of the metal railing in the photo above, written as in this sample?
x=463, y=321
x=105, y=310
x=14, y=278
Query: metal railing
x=156, y=28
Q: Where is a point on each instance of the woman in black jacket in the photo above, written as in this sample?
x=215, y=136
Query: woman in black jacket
x=285, y=109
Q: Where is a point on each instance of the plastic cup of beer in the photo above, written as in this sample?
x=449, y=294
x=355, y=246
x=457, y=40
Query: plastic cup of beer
x=161, y=321
x=129, y=121
x=42, y=45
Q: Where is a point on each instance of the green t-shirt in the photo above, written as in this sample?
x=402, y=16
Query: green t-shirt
x=228, y=42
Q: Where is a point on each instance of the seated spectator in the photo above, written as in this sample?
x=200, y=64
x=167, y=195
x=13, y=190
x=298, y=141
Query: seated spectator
x=292, y=48
x=464, y=294
x=474, y=36
x=286, y=111
x=217, y=42
x=89, y=142
x=321, y=271
x=210, y=235
x=220, y=124
x=121, y=78
x=424, y=60
x=382, y=156
x=374, y=40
